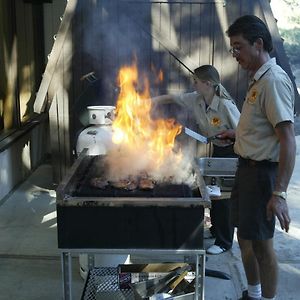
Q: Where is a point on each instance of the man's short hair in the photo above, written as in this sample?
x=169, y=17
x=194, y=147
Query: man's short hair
x=251, y=28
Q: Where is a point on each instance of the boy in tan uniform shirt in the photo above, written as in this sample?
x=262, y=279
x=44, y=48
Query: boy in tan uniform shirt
x=214, y=111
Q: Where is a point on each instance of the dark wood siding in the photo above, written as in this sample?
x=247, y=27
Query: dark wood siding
x=175, y=36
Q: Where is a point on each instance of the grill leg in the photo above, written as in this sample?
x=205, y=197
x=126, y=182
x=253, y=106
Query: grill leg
x=201, y=275
x=91, y=261
x=66, y=259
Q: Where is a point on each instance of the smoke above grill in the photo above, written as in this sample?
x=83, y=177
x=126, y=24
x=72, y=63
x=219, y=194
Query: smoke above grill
x=122, y=163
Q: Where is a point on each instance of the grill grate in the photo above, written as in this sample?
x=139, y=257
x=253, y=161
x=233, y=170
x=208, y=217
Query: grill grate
x=95, y=168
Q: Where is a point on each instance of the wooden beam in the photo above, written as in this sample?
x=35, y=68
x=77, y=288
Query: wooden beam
x=44, y=98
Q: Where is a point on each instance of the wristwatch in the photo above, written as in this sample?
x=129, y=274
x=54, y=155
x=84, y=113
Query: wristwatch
x=282, y=195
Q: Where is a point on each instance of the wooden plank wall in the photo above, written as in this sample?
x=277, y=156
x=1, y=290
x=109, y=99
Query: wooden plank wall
x=165, y=35
x=8, y=68
x=59, y=92
x=55, y=90
x=175, y=36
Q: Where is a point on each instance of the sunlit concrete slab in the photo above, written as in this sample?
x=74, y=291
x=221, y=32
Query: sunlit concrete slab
x=33, y=278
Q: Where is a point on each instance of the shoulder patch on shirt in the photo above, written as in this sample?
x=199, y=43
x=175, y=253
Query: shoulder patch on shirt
x=215, y=121
x=252, y=97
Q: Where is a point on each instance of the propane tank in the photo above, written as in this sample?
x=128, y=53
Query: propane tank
x=97, y=136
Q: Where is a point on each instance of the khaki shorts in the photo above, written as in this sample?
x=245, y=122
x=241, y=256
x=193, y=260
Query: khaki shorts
x=254, y=184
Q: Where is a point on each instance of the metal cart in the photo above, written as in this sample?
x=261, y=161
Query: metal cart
x=142, y=224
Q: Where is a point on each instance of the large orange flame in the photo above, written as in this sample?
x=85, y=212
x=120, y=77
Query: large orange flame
x=133, y=127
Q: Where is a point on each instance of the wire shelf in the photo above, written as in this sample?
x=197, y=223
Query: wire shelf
x=102, y=284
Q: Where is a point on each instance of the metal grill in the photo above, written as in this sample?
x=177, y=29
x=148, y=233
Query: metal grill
x=138, y=222
x=102, y=283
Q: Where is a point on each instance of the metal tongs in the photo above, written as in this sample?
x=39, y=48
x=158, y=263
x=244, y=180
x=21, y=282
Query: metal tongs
x=150, y=287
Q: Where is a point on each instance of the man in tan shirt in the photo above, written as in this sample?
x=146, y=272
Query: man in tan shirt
x=265, y=143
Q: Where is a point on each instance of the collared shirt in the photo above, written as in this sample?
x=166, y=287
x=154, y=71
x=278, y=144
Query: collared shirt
x=269, y=101
x=220, y=115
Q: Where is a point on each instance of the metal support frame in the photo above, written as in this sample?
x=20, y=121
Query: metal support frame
x=66, y=263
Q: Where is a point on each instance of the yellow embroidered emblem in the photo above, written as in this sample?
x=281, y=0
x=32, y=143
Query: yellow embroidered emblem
x=215, y=121
x=252, y=98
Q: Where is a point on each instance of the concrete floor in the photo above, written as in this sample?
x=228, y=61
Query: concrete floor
x=29, y=257
x=30, y=261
